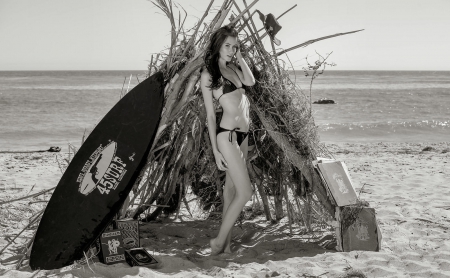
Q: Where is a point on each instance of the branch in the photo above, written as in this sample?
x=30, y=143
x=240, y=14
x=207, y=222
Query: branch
x=315, y=40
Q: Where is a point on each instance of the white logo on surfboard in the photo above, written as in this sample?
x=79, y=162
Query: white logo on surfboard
x=103, y=170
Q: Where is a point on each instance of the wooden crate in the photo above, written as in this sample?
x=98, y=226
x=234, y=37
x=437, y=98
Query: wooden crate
x=139, y=257
x=130, y=232
x=112, y=250
x=363, y=232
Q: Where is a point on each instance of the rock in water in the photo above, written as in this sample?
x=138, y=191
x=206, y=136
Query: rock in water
x=324, y=101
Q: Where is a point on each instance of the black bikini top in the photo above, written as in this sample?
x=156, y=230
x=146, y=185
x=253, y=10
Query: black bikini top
x=228, y=86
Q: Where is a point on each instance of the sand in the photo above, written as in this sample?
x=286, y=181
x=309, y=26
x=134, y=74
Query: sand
x=408, y=187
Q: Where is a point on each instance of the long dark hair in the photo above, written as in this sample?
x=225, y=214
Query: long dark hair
x=212, y=54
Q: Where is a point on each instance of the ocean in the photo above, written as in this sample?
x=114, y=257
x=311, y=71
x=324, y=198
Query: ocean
x=39, y=109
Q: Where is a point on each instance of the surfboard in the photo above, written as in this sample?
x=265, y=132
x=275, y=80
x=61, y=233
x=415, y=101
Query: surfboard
x=99, y=177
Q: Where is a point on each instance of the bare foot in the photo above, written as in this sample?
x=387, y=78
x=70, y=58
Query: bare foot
x=215, y=248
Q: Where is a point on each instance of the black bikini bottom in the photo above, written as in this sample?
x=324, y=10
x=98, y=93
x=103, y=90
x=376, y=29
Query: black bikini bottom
x=240, y=135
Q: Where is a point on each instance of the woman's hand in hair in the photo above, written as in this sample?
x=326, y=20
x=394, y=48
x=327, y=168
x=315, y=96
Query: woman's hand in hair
x=247, y=76
x=220, y=161
x=238, y=51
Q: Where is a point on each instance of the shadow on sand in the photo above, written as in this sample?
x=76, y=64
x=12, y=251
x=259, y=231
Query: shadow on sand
x=183, y=245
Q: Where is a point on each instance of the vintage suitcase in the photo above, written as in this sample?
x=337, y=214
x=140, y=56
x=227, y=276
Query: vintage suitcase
x=359, y=229
x=130, y=232
x=139, y=257
x=112, y=250
x=338, y=182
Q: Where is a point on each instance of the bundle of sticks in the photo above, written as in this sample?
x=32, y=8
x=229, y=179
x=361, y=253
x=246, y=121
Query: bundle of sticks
x=180, y=170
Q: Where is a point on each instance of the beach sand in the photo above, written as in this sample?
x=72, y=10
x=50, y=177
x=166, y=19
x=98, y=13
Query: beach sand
x=407, y=186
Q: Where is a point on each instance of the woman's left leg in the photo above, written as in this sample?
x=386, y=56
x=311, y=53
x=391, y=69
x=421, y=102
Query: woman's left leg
x=229, y=193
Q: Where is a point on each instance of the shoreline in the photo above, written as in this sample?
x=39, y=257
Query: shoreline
x=406, y=183
x=328, y=143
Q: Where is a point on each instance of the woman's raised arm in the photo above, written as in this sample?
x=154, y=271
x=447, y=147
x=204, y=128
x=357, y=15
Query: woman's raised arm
x=247, y=76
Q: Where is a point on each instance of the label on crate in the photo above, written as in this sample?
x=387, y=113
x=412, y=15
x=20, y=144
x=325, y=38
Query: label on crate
x=112, y=247
x=113, y=259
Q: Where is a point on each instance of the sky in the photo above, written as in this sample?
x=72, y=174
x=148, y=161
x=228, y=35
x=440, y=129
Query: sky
x=123, y=34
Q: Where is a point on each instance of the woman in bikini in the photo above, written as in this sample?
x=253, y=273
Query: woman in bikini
x=223, y=81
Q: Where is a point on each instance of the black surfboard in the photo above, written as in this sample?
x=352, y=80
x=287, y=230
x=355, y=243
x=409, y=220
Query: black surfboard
x=99, y=177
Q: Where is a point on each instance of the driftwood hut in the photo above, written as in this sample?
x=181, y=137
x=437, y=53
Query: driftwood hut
x=181, y=173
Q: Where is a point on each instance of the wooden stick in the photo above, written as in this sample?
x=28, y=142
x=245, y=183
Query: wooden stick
x=121, y=91
x=167, y=9
x=213, y=23
x=308, y=212
x=192, y=39
x=150, y=66
x=229, y=3
x=26, y=197
x=129, y=82
x=243, y=12
x=275, y=58
x=295, y=158
x=156, y=61
x=252, y=22
x=315, y=40
x=159, y=206
x=186, y=204
x=145, y=190
x=225, y=5
x=140, y=209
x=82, y=139
x=68, y=158
x=254, y=175
x=31, y=188
x=179, y=200
x=287, y=207
x=302, y=186
x=27, y=250
x=300, y=210
x=287, y=11
x=222, y=17
x=193, y=79
x=245, y=22
x=202, y=35
x=257, y=40
x=29, y=224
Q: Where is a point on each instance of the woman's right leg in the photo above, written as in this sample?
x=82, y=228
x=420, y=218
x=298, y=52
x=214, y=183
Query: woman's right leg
x=238, y=172
x=229, y=192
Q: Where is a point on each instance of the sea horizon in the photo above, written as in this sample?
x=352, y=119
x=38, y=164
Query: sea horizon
x=327, y=69
x=39, y=109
